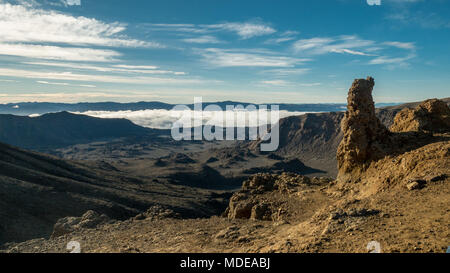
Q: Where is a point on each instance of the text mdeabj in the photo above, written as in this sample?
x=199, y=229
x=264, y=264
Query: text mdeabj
x=263, y=263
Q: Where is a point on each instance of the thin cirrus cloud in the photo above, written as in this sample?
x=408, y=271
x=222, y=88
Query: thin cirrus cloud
x=283, y=37
x=131, y=69
x=353, y=45
x=422, y=19
x=58, y=53
x=287, y=71
x=69, y=76
x=66, y=84
x=401, y=45
x=22, y=24
x=390, y=60
x=205, y=39
x=245, y=30
x=72, y=2
x=341, y=44
x=239, y=58
x=67, y=97
x=276, y=83
x=31, y=32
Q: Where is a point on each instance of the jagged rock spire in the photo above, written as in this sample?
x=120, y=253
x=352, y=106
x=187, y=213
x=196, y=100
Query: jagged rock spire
x=363, y=131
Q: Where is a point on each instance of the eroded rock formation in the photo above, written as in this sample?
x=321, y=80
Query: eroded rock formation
x=430, y=116
x=267, y=196
x=364, y=135
x=415, y=149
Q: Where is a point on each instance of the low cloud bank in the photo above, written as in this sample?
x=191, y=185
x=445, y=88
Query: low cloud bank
x=164, y=119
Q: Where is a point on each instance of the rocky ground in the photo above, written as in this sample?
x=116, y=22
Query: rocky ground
x=301, y=215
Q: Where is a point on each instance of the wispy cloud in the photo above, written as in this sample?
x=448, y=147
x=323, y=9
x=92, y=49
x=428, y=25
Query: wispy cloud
x=391, y=60
x=276, y=83
x=396, y=61
x=283, y=37
x=58, y=53
x=3, y=80
x=235, y=57
x=71, y=97
x=310, y=84
x=69, y=76
x=21, y=24
x=66, y=84
x=427, y=20
x=287, y=71
x=401, y=45
x=205, y=39
x=244, y=30
x=349, y=51
x=341, y=44
x=131, y=69
x=353, y=45
x=72, y=2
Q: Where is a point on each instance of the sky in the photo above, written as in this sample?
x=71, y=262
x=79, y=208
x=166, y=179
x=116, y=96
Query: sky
x=257, y=51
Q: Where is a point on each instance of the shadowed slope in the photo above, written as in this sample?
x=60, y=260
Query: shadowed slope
x=36, y=190
x=62, y=129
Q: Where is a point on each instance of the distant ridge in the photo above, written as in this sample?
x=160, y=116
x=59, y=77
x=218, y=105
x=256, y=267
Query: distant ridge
x=63, y=129
x=29, y=108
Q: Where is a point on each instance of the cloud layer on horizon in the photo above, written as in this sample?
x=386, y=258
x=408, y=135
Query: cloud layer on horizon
x=164, y=119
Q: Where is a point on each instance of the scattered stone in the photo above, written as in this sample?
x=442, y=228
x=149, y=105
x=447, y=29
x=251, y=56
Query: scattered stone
x=250, y=203
x=157, y=212
x=89, y=220
x=415, y=183
x=230, y=233
x=413, y=186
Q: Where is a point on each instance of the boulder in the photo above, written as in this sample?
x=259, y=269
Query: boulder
x=89, y=220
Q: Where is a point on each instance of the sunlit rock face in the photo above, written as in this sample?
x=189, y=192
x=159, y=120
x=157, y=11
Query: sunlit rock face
x=430, y=116
x=364, y=134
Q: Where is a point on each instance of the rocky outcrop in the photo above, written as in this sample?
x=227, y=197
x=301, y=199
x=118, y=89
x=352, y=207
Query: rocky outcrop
x=157, y=213
x=365, y=137
x=264, y=196
x=89, y=220
x=416, y=147
x=430, y=116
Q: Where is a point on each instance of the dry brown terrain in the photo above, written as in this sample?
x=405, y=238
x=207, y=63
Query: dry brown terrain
x=316, y=218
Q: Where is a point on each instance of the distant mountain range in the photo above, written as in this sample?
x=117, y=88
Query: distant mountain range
x=63, y=129
x=29, y=108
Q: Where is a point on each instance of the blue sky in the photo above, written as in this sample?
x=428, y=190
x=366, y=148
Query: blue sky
x=256, y=51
